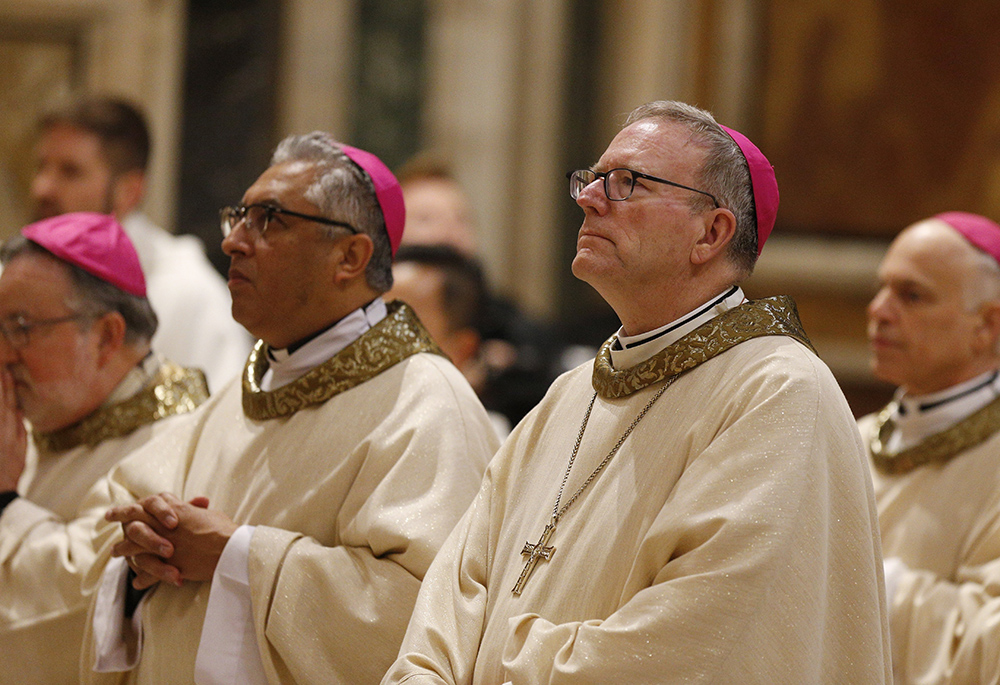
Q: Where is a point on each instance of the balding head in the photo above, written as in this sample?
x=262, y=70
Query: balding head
x=935, y=321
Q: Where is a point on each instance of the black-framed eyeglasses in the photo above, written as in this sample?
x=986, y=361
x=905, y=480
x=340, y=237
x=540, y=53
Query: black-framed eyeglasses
x=619, y=183
x=16, y=330
x=257, y=217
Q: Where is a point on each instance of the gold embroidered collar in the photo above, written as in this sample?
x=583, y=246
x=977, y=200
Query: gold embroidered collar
x=938, y=448
x=172, y=390
x=753, y=319
x=396, y=337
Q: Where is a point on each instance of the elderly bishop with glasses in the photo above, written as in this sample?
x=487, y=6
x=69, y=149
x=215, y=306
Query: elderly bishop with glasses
x=280, y=535
x=77, y=366
x=692, y=506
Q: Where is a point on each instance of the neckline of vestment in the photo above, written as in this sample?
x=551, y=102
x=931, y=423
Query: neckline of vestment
x=752, y=319
x=172, y=390
x=398, y=336
x=934, y=449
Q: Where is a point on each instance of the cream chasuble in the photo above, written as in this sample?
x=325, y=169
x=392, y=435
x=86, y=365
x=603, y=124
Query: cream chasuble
x=939, y=511
x=732, y=538
x=46, y=534
x=353, y=475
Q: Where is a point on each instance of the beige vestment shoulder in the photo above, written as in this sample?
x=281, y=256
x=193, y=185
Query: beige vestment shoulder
x=940, y=515
x=732, y=539
x=354, y=475
x=46, y=534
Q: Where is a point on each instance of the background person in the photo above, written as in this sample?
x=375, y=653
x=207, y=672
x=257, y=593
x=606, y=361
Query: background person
x=447, y=290
x=75, y=330
x=92, y=156
x=934, y=327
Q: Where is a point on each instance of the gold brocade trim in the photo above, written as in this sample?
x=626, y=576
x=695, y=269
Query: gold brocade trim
x=939, y=448
x=173, y=390
x=396, y=337
x=753, y=319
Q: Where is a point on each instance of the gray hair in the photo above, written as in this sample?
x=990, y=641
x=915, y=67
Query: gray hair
x=982, y=283
x=91, y=295
x=725, y=173
x=342, y=191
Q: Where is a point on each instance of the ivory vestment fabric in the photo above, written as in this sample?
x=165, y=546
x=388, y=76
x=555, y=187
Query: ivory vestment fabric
x=46, y=534
x=732, y=539
x=354, y=475
x=942, y=520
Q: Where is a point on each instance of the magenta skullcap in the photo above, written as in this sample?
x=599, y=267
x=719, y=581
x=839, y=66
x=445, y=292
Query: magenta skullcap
x=978, y=230
x=763, y=184
x=387, y=191
x=94, y=242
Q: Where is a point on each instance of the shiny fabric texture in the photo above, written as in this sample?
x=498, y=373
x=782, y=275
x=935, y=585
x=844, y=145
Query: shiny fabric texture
x=45, y=535
x=938, y=448
x=942, y=520
x=393, y=339
x=352, y=497
x=174, y=390
x=733, y=539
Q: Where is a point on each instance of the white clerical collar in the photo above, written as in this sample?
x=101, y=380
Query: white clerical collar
x=629, y=350
x=136, y=379
x=919, y=417
x=286, y=367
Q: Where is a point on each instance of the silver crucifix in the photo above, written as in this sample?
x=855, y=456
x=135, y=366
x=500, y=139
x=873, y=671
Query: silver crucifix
x=534, y=553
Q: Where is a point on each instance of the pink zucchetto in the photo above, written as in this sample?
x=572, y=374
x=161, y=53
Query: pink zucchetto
x=96, y=243
x=387, y=191
x=765, y=185
x=978, y=230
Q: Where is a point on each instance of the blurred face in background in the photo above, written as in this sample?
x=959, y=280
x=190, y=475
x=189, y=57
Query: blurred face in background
x=926, y=330
x=72, y=175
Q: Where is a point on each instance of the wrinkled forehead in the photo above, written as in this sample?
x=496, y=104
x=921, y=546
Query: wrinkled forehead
x=655, y=146
x=283, y=183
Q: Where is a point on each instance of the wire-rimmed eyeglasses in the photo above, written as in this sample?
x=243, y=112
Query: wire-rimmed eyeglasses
x=619, y=183
x=16, y=330
x=257, y=217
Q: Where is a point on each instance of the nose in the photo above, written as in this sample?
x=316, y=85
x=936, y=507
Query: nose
x=238, y=241
x=42, y=184
x=592, y=197
x=880, y=308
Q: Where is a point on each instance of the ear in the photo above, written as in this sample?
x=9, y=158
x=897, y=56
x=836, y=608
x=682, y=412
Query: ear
x=127, y=192
x=988, y=334
x=720, y=227
x=110, y=329
x=355, y=252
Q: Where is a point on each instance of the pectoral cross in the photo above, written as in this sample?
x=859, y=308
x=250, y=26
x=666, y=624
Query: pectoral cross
x=534, y=553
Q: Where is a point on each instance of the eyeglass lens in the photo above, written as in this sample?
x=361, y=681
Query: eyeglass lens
x=618, y=183
x=256, y=218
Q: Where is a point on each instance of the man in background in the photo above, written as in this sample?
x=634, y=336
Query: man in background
x=934, y=327
x=448, y=291
x=75, y=330
x=519, y=354
x=92, y=156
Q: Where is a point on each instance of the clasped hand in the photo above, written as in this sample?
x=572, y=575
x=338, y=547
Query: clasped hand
x=169, y=540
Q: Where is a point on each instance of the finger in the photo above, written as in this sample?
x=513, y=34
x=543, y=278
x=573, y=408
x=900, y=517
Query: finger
x=163, y=508
x=142, y=580
x=125, y=513
x=147, y=539
x=152, y=567
x=126, y=548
